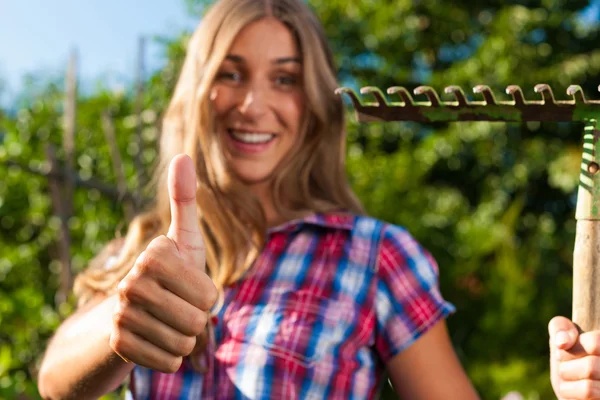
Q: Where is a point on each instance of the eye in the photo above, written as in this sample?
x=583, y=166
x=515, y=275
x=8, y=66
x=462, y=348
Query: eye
x=286, y=80
x=229, y=76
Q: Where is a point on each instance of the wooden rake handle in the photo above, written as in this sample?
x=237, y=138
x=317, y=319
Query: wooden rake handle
x=586, y=255
x=586, y=275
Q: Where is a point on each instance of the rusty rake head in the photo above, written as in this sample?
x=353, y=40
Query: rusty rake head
x=489, y=109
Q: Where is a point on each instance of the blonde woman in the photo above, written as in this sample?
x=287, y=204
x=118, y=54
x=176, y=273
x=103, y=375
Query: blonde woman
x=255, y=275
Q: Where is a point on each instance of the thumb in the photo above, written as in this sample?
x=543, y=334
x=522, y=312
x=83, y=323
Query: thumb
x=184, y=230
x=563, y=333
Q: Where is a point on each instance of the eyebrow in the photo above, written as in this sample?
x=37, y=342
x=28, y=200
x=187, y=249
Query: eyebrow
x=278, y=61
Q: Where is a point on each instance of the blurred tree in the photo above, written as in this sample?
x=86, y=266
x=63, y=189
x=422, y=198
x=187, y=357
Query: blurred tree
x=493, y=202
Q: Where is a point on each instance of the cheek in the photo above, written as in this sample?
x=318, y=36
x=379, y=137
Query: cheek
x=294, y=111
x=221, y=100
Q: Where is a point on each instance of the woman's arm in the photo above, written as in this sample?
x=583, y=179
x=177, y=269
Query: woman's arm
x=79, y=363
x=430, y=369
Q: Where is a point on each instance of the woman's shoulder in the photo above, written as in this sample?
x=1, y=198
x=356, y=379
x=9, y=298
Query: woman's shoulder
x=394, y=243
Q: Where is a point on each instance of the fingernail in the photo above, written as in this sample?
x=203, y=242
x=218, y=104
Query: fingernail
x=561, y=338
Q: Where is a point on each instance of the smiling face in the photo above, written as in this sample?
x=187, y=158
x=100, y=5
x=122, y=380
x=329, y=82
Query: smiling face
x=258, y=100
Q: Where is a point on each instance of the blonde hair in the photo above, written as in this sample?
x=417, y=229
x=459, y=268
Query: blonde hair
x=313, y=178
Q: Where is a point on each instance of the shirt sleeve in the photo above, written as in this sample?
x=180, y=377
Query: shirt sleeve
x=407, y=296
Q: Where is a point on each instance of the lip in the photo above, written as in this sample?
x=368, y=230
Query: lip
x=249, y=130
x=247, y=148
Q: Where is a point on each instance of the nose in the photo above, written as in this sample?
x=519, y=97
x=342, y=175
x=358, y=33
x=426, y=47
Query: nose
x=254, y=102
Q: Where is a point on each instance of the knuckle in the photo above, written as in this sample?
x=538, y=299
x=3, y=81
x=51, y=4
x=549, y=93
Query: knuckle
x=211, y=295
x=589, y=389
x=172, y=365
x=147, y=262
x=562, y=393
x=562, y=372
x=590, y=368
x=129, y=291
x=197, y=323
x=160, y=244
x=185, y=345
x=120, y=317
x=124, y=286
x=118, y=343
x=595, y=347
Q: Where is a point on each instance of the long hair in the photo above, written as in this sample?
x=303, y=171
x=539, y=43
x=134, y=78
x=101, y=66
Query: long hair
x=311, y=179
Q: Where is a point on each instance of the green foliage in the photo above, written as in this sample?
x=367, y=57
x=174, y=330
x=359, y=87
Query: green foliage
x=29, y=230
x=493, y=202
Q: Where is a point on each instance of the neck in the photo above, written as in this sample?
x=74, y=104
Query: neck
x=264, y=194
x=262, y=191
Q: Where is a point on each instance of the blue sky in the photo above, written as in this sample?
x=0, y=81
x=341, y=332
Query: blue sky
x=37, y=35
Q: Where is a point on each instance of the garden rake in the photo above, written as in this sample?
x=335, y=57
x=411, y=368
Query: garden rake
x=586, y=255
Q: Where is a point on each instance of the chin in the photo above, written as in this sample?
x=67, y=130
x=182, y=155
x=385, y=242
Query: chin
x=254, y=179
x=253, y=176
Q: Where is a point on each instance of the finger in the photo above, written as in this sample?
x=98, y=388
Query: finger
x=563, y=333
x=582, y=389
x=166, y=307
x=580, y=369
x=141, y=352
x=588, y=344
x=180, y=276
x=193, y=286
x=146, y=326
x=184, y=229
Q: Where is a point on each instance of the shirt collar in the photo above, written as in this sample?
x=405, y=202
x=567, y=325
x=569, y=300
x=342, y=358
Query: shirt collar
x=333, y=220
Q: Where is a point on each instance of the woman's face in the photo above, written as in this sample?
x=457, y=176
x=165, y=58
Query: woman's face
x=258, y=99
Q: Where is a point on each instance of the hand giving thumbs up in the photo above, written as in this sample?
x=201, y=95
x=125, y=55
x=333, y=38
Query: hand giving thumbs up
x=164, y=299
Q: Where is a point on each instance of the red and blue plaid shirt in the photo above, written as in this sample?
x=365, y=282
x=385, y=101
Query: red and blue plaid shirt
x=330, y=300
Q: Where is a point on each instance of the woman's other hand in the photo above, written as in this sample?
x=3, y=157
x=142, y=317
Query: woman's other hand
x=574, y=361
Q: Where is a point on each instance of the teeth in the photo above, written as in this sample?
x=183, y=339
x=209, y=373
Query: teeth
x=248, y=137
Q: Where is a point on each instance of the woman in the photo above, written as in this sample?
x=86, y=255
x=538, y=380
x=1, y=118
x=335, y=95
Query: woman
x=255, y=275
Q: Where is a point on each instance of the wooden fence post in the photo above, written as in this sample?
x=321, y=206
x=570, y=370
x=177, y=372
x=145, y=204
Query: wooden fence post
x=139, y=107
x=64, y=242
x=109, y=132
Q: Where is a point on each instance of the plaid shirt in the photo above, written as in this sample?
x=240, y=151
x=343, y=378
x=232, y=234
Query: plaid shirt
x=330, y=300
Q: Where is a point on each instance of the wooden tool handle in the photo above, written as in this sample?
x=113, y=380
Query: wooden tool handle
x=586, y=275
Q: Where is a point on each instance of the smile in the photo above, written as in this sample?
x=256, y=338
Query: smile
x=251, y=137
x=250, y=143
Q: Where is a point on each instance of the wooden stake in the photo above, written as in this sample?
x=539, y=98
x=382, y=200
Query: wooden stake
x=70, y=116
x=115, y=155
x=139, y=106
x=64, y=242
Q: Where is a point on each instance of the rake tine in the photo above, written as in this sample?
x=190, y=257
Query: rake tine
x=517, y=95
x=546, y=92
x=404, y=95
x=352, y=95
x=488, y=95
x=577, y=92
x=431, y=94
x=375, y=92
x=458, y=94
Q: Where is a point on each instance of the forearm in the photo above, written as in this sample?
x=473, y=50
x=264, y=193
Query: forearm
x=79, y=363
